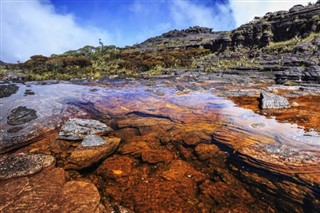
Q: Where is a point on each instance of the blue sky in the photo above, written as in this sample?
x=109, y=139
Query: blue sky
x=30, y=27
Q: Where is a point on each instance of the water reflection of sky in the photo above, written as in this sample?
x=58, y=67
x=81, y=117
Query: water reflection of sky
x=48, y=100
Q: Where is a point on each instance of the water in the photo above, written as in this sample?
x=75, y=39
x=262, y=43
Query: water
x=158, y=108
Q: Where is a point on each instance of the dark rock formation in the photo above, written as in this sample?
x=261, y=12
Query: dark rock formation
x=271, y=101
x=77, y=129
x=7, y=90
x=21, y=115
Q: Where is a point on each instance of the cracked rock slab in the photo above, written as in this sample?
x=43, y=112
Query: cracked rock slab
x=78, y=129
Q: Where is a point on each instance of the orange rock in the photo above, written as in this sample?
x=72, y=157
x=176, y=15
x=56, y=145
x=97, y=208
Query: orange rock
x=83, y=157
x=182, y=171
x=206, y=151
x=157, y=156
x=116, y=167
x=157, y=195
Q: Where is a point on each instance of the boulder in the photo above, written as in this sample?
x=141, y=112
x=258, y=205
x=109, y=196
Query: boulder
x=21, y=115
x=92, y=150
x=271, y=101
x=77, y=129
x=21, y=164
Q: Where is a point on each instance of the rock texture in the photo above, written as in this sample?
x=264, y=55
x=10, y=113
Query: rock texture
x=7, y=90
x=85, y=156
x=271, y=101
x=17, y=165
x=21, y=115
x=77, y=129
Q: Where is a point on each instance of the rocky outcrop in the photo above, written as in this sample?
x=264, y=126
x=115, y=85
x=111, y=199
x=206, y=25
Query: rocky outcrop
x=21, y=115
x=271, y=101
x=77, y=129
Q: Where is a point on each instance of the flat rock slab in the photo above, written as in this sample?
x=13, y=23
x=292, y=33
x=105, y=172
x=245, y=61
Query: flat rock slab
x=48, y=191
x=17, y=165
x=271, y=101
x=84, y=156
x=77, y=129
x=21, y=115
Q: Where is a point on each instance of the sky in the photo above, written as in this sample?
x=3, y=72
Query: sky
x=32, y=27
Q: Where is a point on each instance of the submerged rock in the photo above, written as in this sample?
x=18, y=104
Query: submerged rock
x=17, y=165
x=271, y=101
x=92, y=150
x=77, y=129
x=7, y=90
x=21, y=115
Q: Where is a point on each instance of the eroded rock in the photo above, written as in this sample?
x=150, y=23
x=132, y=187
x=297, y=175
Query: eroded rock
x=85, y=156
x=271, y=101
x=77, y=129
x=21, y=164
x=21, y=115
x=7, y=90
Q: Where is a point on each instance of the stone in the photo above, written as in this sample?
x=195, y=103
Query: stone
x=21, y=115
x=85, y=156
x=181, y=171
x=271, y=101
x=206, y=151
x=21, y=164
x=156, y=156
x=48, y=191
x=116, y=167
x=77, y=129
x=92, y=141
x=6, y=90
x=75, y=196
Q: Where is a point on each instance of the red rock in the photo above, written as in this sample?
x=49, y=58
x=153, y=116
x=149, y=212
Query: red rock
x=116, y=167
x=206, y=151
x=182, y=171
x=83, y=157
x=157, y=156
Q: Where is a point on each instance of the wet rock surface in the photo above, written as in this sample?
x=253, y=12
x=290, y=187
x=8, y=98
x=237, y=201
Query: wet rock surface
x=21, y=115
x=77, y=129
x=17, y=165
x=7, y=90
x=271, y=101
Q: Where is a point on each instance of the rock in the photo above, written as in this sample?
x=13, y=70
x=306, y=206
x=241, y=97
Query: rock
x=7, y=90
x=116, y=167
x=271, y=101
x=75, y=196
x=48, y=191
x=206, y=151
x=181, y=171
x=21, y=164
x=85, y=156
x=156, y=156
x=92, y=140
x=21, y=115
x=157, y=195
x=77, y=129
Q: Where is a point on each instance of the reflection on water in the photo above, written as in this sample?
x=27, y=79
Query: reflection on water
x=160, y=111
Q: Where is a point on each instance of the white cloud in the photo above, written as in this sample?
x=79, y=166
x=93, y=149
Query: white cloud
x=245, y=10
x=33, y=27
x=186, y=13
